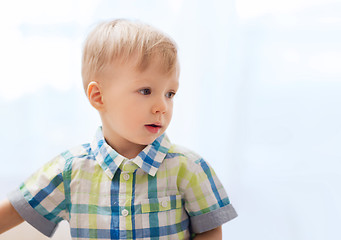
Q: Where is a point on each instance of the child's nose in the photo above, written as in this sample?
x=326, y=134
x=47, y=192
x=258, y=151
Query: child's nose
x=159, y=106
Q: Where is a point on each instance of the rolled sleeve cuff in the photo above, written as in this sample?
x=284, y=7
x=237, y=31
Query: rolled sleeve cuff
x=30, y=215
x=214, y=219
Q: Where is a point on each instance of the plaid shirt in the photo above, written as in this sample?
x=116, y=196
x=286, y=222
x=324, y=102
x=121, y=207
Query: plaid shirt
x=166, y=192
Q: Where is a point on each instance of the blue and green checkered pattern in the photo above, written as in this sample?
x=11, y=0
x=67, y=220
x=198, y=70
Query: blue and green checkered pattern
x=166, y=192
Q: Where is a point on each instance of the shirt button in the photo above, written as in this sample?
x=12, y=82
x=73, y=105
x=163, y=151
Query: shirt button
x=125, y=212
x=164, y=203
x=126, y=176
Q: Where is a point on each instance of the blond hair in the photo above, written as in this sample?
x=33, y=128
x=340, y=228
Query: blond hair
x=120, y=40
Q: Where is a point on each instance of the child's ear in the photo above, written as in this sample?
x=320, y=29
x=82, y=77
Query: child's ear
x=95, y=95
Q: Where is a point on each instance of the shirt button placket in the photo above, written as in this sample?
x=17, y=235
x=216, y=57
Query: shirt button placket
x=126, y=176
x=164, y=203
x=125, y=212
x=127, y=186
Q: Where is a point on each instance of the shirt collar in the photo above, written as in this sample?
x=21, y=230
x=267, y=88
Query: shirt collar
x=149, y=159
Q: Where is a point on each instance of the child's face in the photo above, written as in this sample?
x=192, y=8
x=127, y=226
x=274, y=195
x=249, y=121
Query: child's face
x=137, y=106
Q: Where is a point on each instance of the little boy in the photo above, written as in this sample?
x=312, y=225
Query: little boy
x=130, y=182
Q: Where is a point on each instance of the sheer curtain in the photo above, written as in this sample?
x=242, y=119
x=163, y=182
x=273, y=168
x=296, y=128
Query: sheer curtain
x=259, y=99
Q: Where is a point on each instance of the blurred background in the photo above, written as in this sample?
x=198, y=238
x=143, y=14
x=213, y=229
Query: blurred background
x=259, y=99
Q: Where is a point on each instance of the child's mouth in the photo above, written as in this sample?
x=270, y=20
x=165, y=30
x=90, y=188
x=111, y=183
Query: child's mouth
x=153, y=128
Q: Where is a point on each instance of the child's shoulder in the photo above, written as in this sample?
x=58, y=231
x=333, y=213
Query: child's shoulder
x=184, y=154
x=74, y=154
x=80, y=151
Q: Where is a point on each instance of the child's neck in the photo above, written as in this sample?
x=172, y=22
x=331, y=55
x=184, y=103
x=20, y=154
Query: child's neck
x=130, y=152
x=125, y=148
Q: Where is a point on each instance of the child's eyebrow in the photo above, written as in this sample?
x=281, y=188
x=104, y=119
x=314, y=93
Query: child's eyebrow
x=140, y=80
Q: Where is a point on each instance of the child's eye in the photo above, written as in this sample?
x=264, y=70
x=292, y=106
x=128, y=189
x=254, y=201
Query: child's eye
x=145, y=91
x=170, y=94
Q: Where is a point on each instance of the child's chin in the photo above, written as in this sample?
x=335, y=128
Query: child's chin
x=149, y=140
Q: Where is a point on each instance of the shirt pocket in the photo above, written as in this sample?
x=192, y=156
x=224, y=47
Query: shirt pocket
x=164, y=217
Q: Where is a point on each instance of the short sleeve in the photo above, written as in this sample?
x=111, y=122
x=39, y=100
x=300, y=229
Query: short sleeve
x=206, y=201
x=40, y=200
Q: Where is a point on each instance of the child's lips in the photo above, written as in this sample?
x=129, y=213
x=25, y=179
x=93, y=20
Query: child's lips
x=154, y=127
